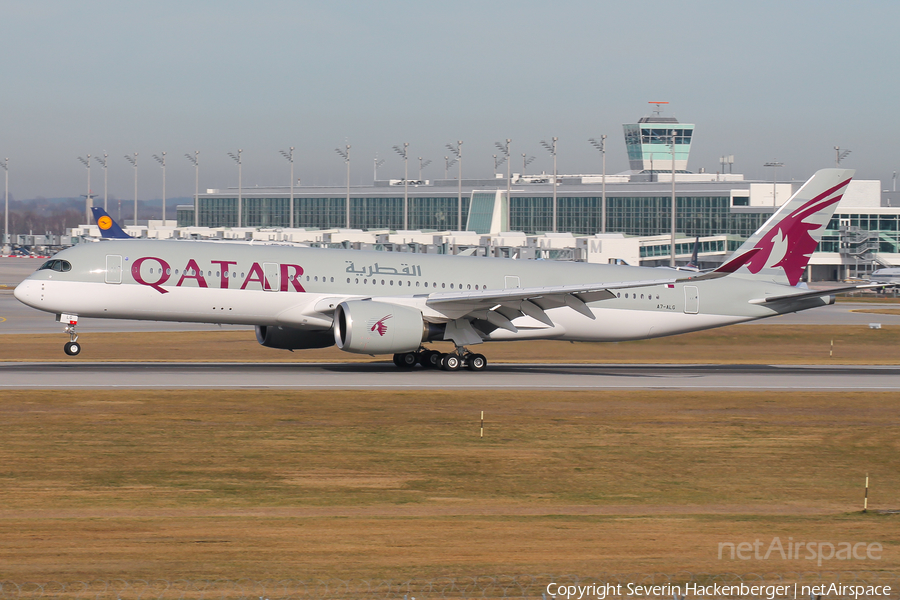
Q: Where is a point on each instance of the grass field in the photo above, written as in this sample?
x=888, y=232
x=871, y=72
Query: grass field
x=357, y=484
x=749, y=344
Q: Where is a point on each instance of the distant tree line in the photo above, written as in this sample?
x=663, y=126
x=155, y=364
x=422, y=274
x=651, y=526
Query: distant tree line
x=41, y=216
x=54, y=216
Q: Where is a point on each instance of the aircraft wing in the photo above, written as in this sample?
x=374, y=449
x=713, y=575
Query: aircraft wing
x=501, y=306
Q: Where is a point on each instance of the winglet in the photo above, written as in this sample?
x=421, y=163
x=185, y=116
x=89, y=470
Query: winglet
x=108, y=227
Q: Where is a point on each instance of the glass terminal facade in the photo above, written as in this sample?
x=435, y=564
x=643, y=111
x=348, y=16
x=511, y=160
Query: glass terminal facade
x=367, y=212
x=580, y=214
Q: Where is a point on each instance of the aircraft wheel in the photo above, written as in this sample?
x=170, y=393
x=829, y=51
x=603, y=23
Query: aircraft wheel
x=477, y=362
x=430, y=359
x=406, y=360
x=72, y=348
x=450, y=362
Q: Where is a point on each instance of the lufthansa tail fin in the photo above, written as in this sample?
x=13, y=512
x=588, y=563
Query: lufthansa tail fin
x=108, y=227
x=695, y=261
x=785, y=242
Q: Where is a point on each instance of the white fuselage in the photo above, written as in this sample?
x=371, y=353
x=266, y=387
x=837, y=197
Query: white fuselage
x=299, y=288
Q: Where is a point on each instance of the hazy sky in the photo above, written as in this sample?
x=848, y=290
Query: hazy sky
x=762, y=80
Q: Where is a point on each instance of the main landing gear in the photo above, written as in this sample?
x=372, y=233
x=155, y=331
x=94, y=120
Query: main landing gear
x=432, y=359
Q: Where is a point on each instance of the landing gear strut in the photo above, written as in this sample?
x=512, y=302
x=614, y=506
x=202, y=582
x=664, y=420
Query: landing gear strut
x=432, y=359
x=72, y=347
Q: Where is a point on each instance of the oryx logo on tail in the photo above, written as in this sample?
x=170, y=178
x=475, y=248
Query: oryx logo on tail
x=790, y=243
x=786, y=241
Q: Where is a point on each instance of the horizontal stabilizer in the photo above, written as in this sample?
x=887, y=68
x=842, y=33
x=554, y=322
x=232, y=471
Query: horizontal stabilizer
x=820, y=293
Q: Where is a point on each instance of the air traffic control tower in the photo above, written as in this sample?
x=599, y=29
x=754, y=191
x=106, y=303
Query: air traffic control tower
x=649, y=143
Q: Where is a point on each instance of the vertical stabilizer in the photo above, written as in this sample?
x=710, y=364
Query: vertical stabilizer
x=109, y=229
x=790, y=236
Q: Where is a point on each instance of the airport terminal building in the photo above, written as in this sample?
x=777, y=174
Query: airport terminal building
x=721, y=209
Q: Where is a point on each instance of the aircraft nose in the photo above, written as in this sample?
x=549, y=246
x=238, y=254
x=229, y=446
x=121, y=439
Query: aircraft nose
x=26, y=291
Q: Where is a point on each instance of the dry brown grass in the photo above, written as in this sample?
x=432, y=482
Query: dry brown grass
x=749, y=344
x=354, y=484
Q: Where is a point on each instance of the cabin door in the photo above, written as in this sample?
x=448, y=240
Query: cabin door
x=691, y=299
x=270, y=271
x=113, y=268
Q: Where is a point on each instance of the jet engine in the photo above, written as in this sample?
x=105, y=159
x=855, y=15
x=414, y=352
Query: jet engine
x=369, y=327
x=288, y=338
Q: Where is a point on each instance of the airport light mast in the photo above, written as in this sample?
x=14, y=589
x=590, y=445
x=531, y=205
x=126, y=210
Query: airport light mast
x=447, y=164
x=508, y=158
x=377, y=163
x=526, y=160
x=672, y=233
x=601, y=146
x=87, y=202
x=237, y=159
x=105, y=180
x=345, y=154
x=289, y=155
x=162, y=162
x=551, y=148
x=195, y=160
x=404, y=153
x=133, y=161
x=774, y=164
x=458, y=153
x=5, y=165
x=839, y=156
x=422, y=165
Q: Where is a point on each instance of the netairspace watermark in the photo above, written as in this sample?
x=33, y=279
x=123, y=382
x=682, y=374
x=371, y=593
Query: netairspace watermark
x=817, y=551
x=717, y=590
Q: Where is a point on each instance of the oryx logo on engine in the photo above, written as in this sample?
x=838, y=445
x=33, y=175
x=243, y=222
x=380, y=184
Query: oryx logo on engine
x=379, y=325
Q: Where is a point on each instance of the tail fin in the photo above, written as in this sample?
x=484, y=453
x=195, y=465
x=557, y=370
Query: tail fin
x=695, y=262
x=108, y=227
x=790, y=236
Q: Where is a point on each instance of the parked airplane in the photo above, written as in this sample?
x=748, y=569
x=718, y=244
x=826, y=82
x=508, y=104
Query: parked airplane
x=109, y=229
x=887, y=275
x=393, y=303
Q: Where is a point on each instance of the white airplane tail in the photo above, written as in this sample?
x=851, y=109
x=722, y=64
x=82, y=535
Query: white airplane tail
x=783, y=245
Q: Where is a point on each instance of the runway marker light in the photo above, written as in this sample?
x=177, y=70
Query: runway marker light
x=866, y=498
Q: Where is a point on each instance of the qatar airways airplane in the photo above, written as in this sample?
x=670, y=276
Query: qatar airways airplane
x=394, y=303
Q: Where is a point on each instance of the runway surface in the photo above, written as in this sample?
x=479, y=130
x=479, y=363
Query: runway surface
x=369, y=376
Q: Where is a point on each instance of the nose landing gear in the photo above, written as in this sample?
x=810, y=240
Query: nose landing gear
x=72, y=347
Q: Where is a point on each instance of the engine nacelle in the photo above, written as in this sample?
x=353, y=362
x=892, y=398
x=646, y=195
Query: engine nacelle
x=288, y=338
x=368, y=327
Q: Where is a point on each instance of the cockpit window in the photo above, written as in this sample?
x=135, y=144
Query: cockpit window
x=57, y=265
